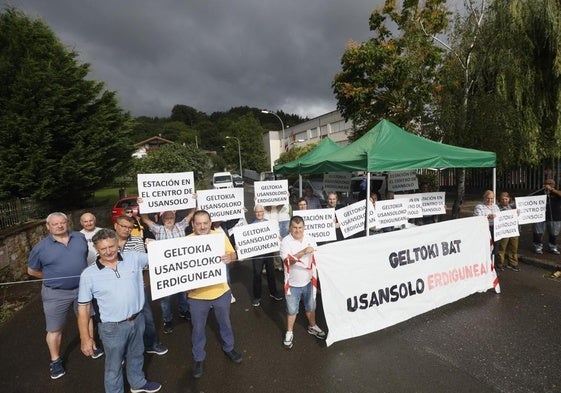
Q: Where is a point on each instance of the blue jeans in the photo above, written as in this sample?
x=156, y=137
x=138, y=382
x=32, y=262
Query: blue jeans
x=199, y=315
x=123, y=340
x=150, y=335
x=296, y=293
x=165, y=303
x=283, y=228
x=553, y=229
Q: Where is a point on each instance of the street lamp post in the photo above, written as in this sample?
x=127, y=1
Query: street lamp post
x=239, y=152
x=282, y=125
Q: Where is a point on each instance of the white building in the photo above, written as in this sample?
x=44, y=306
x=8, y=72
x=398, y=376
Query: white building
x=330, y=125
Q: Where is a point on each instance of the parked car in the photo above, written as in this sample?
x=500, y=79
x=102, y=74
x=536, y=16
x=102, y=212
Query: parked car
x=317, y=188
x=238, y=180
x=222, y=180
x=122, y=204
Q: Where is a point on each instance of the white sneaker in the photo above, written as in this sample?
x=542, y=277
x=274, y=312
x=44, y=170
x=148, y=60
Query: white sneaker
x=288, y=340
x=538, y=249
x=316, y=331
x=233, y=300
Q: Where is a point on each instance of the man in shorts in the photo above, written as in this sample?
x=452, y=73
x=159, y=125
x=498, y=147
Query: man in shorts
x=58, y=260
x=300, y=277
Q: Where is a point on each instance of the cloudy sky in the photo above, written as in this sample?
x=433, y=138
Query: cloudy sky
x=210, y=54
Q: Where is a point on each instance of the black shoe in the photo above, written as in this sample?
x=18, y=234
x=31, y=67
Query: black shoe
x=512, y=267
x=499, y=268
x=198, y=369
x=186, y=316
x=278, y=298
x=168, y=327
x=234, y=356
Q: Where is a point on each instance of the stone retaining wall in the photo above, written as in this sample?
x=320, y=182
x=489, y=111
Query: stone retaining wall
x=17, y=242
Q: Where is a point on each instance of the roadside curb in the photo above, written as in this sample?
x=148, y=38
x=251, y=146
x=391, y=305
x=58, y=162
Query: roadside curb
x=543, y=264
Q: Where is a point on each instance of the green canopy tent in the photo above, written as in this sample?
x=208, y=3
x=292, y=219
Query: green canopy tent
x=387, y=147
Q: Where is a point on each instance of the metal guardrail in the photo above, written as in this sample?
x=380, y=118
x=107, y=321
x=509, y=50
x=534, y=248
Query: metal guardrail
x=19, y=211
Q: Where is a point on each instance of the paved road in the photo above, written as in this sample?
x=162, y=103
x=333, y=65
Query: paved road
x=483, y=343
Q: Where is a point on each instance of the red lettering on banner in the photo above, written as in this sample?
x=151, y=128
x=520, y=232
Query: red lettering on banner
x=458, y=274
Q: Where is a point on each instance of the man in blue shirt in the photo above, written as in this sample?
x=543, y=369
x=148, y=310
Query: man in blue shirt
x=115, y=282
x=59, y=259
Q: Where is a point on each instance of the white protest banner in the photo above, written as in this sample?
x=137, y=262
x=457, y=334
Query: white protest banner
x=391, y=213
x=222, y=203
x=414, y=205
x=337, y=182
x=351, y=218
x=402, y=181
x=271, y=193
x=532, y=209
x=185, y=263
x=257, y=239
x=506, y=224
x=166, y=191
x=319, y=223
x=371, y=283
x=433, y=203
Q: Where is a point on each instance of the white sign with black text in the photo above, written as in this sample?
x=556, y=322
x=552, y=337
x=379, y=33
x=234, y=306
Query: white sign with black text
x=319, y=223
x=506, y=224
x=402, y=181
x=351, y=218
x=222, y=203
x=185, y=263
x=257, y=239
x=165, y=191
x=337, y=182
x=271, y=193
x=532, y=209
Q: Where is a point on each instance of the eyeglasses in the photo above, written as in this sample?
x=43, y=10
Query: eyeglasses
x=126, y=227
x=128, y=211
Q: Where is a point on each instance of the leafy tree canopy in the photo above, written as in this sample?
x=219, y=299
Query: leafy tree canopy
x=294, y=153
x=250, y=135
x=63, y=136
x=394, y=74
x=174, y=158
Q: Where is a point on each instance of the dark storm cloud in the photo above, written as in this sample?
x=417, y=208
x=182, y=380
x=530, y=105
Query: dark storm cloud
x=211, y=55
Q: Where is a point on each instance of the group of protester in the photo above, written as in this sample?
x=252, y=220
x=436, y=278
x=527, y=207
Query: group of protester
x=506, y=249
x=98, y=272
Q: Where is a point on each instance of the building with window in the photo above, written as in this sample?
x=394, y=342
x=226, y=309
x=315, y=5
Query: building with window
x=331, y=125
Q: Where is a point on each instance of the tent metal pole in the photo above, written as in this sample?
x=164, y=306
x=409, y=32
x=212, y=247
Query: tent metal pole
x=495, y=183
x=366, y=201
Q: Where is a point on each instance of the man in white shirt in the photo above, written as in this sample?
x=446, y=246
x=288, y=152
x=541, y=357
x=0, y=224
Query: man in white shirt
x=300, y=276
x=88, y=221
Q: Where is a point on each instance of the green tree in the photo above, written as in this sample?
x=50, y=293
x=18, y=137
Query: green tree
x=502, y=85
x=460, y=71
x=173, y=158
x=187, y=115
x=62, y=135
x=523, y=73
x=394, y=74
x=294, y=153
x=250, y=134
